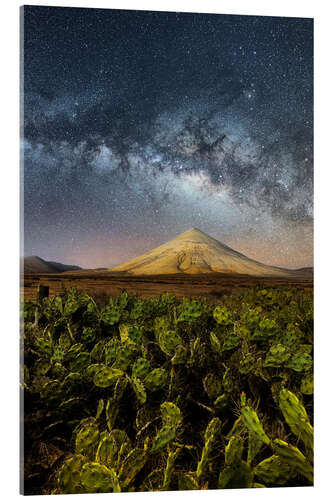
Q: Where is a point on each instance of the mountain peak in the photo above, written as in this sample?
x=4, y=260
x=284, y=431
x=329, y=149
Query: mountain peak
x=194, y=252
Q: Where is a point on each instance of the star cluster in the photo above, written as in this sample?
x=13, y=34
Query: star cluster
x=139, y=125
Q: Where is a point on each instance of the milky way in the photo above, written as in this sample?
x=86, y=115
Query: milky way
x=140, y=125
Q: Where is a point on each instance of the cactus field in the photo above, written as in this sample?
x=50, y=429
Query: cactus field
x=167, y=394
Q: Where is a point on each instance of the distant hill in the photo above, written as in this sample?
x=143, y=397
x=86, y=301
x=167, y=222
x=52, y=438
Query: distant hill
x=194, y=252
x=306, y=271
x=35, y=264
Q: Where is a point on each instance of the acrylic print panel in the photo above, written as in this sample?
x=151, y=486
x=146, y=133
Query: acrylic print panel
x=167, y=267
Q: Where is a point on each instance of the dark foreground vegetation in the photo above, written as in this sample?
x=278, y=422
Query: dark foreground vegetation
x=162, y=394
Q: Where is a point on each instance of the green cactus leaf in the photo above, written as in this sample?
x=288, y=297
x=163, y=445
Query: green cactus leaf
x=107, y=451
x=107, y=376
x=212, y=385
x=301, y=361
x=163, y=437
x=171, y=415
x=294, y=458
x=222, y=402
x=222, y=316
x=91, y=370
x=277, y=356
x=215, y=343
x=180, y=356
x=234, y=451
x=252, y=423
x=188, y=481
x=110, y=351
x=87, y=440
x=80, y=362
x=69, y=476
x=111, y=315
x=42, y=366
x=307, y=384
x=247, y=364
x=213, y=429
x=168, y=341
x=100, y=408
x=88, y=335
x=97, y=353
x=111, y=413
x=267, y=329
x=274, y=471
x=97, y=478
x=156, y=379
x=139, y=390
x=140, y=368
x=236, y=477
x=296, y=417
x=189, y=311
x=230, y=342
x=131, y=466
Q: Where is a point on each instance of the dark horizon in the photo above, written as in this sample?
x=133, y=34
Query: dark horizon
x=139, y=125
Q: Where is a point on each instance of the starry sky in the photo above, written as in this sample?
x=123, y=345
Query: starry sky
x=140, y=125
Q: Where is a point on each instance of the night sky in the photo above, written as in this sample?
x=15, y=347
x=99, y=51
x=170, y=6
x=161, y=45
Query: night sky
x=141, y=125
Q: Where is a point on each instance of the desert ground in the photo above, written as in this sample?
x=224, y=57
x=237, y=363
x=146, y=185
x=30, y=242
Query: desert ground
x=104, y=283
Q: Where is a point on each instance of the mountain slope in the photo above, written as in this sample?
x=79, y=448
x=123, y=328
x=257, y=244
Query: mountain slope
x=35, y=264
x=194, y=252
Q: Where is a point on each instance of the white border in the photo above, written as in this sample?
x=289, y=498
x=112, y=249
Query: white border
x=9, y=32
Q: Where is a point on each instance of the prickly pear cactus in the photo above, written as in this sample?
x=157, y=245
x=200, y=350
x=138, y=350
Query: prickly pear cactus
x=137, y=310
x=168, y=341
x=188, y=481
x=247, y=364
x=277, y=356
x=273, y=470
x=171, y=415
x=180, y=356
x=296, y=417
x=212, y=385
x=107, y=451
x=267, y=328
x=294, y=458
x=110, y=351
x=140, y=368
x=189, y=311
x=236, y=476
x=139, y=390
x=231, y=341
x=252, y=423
x=97, y=478
x=107, y=376
x=307, y=384
x=212, y=434
x=88, y=335
x=69, y=476
x=156, y=379
x=163, y=437
x=222, y=316
x=222, y=402
x=125, y=355
x=131, y=466
x=135, y=334
x=234, y=451
x=301, y=361
x=80, y=362
x=111, y=315
x=215, y=343
x=86, y=440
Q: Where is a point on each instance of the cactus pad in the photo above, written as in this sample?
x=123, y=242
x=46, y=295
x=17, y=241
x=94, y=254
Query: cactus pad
x=107, y=376
x=156, y=379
